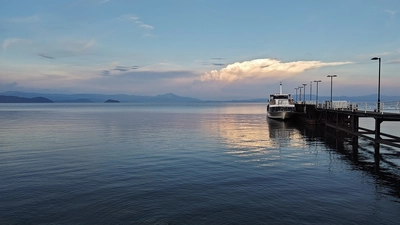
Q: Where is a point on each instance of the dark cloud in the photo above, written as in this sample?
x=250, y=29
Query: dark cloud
x=121, y=68
x=152, y=75
x=45, y=56
x=105, y=73
x=218, y=64
x=135, y=67
x=217, y=58
x=8, y=85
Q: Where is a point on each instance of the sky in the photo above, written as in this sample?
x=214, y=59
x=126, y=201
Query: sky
x=206, y=49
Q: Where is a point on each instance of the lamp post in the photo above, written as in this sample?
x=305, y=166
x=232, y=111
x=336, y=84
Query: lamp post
x=304, y=92
x=300, y=92
x=310, y=90
x=379, y=83
x=331, y=76
x=296, y=93
x=317, y=81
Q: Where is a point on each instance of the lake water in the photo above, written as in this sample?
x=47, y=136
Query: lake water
x=202, y=163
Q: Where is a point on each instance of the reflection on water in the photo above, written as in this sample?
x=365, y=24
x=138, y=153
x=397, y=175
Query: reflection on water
x=270, y=142
x=384, y=168
x=205, y=163
x=256, y=138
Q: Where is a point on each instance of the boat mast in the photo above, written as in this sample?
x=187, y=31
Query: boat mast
x=280, y=88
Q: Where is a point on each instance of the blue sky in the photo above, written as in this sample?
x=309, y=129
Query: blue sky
x=208, y=49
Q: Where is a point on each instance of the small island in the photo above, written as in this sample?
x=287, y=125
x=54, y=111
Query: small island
x=111, y=101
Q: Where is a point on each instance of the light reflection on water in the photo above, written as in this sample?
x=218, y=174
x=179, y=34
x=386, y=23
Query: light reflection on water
x=209, y=163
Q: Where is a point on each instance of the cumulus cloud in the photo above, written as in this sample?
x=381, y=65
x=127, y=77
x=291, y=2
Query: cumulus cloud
x=262, y=68
x=14, y=41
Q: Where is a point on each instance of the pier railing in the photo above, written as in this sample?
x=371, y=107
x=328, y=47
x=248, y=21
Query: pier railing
x=390, y=106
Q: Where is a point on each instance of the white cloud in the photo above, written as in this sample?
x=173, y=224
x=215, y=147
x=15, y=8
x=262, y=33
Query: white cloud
x=88, y=45
x=145, y=26
x=14, y=41
x=391, y=12
x=263, y=68
x=69, y=48
x=135, y=19
x=394, y=61
x=128, y=17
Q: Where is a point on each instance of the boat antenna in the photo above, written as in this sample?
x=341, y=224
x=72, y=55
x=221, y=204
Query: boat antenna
x=280, y=88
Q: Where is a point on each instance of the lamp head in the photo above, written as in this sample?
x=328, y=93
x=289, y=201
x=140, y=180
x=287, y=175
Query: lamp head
x=375, y=58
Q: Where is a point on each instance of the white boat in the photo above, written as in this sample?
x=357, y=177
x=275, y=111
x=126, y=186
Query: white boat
x=281, y=106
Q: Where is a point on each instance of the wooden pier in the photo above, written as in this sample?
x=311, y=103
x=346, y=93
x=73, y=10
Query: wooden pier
x=347, y=120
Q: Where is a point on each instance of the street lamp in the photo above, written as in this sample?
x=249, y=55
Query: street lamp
x=310, y=90
x=296, y=93
x=331, y=76
x=300, y=92
x=379, y=83
x=317, y=81
x=304, y=92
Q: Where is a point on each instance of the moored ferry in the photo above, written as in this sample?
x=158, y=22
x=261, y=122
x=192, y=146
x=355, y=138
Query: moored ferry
x=281, y=106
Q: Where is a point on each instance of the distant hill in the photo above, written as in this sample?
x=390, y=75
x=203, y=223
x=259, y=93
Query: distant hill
x=15, y=99
x=111, y=101
x=100, y=98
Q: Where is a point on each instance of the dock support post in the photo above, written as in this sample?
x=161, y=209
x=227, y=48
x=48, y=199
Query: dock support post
x=377, y=135
x=354, y=129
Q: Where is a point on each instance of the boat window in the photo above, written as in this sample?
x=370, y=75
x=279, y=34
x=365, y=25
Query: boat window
x=282, y=109
x=281, y=97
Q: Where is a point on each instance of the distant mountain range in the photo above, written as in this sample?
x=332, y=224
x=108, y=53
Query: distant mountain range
x=20, y=97
x=95, y=98
x=15, y=99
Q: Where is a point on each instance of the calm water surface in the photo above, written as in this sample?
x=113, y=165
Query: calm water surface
x=203, y=163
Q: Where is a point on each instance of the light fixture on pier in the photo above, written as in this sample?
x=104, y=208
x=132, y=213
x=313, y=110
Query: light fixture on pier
x=304, y=93
x=300, y=92
x=331, y=76
x=317, y=81
x=379, y=83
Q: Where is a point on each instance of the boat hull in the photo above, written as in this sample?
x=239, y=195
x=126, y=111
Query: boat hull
x=280, y=115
